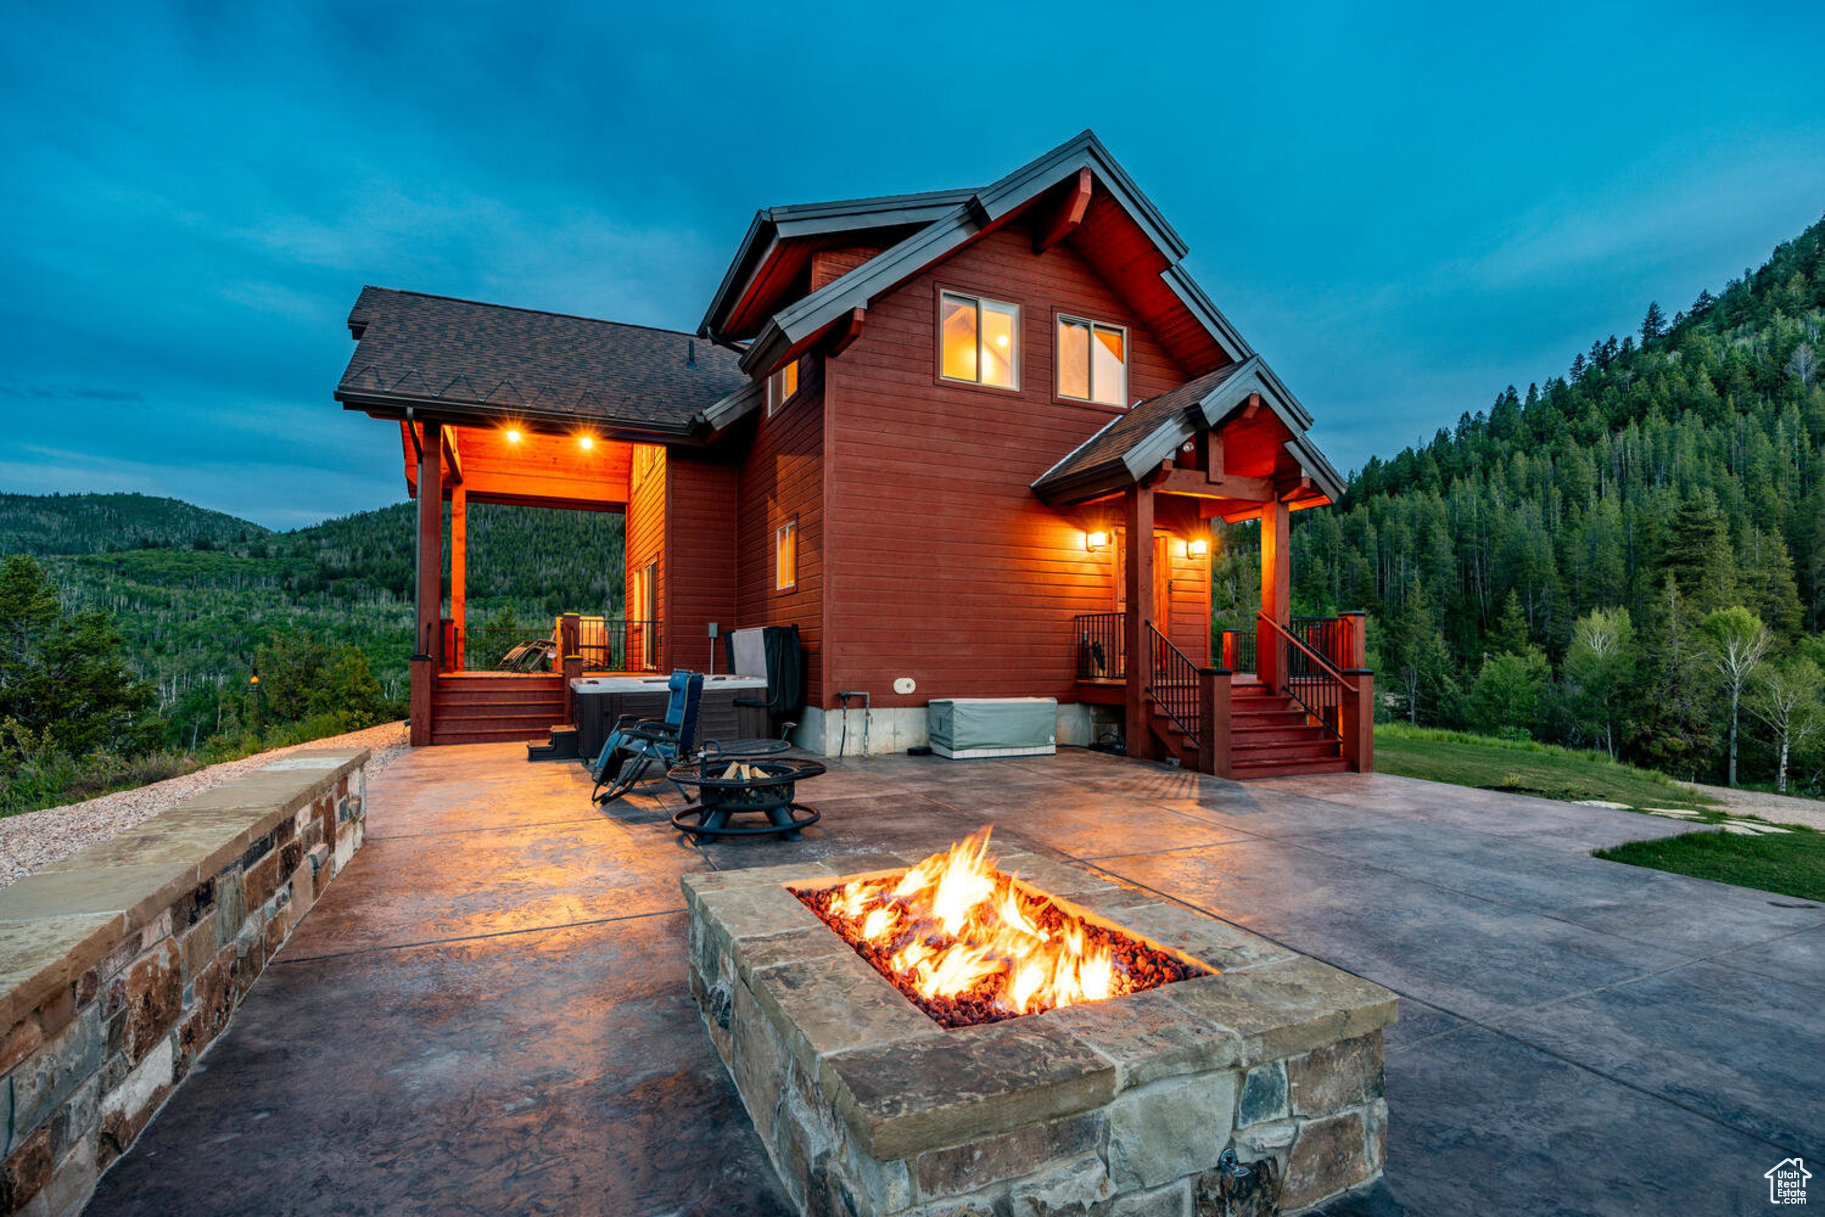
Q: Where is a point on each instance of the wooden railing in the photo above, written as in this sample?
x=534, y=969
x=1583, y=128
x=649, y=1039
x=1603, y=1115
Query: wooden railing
x=1172, y=681
x=1311, y=679
x=1101, y=648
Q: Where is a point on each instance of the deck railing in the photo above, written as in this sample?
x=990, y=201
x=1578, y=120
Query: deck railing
x=1101, y=648
x=1312, y=679
x=1236, y=650
x=607, y=644
x=1172, y=681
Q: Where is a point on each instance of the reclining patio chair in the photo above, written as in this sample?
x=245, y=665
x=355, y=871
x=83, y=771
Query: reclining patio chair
x=635, y=743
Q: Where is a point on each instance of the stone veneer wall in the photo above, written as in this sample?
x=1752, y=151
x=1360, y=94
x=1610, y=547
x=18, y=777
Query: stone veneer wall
x=121, y=963
x=1249, y=1093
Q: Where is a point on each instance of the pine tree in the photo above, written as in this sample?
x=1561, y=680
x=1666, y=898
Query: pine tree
x=1654, y=325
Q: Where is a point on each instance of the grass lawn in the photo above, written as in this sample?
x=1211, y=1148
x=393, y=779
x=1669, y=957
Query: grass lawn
x=1792, y=864
x=1521, y=767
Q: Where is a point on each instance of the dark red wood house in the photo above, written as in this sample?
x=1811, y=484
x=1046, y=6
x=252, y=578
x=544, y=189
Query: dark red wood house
x=970, y=440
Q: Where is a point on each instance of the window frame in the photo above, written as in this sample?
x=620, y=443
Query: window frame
x=1059, y=318
x=778, y=396
x=784, y=581
x=978, y=299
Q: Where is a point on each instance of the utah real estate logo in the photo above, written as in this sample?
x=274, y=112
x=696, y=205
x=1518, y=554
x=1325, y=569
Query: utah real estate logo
x=1787, y=1182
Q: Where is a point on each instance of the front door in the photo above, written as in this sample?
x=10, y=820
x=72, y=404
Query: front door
x=1162, y=578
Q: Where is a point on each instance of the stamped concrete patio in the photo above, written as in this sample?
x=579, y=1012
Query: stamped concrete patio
x=488, y=1012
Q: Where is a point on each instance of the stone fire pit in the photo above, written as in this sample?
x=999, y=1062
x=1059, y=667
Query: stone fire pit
x=1252, y=1091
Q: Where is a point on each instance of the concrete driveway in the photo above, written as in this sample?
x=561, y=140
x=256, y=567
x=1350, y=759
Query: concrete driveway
x=487, y=1012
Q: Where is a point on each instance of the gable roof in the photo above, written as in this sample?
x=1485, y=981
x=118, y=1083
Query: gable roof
x=797, y=324
x=460, y=360
x=1133, y=445
x=852, y=217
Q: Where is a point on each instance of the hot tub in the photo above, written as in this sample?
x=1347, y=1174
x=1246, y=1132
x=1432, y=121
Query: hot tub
x=603, y=699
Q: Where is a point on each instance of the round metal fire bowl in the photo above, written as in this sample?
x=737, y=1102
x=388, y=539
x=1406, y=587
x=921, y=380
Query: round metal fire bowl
x=767, y=790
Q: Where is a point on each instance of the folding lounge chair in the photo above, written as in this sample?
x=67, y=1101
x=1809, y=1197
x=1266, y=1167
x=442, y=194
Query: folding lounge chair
x=635, y=743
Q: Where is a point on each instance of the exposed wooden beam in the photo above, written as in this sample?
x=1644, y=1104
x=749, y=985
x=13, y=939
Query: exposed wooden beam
x=1252, y=408
x=849, y=330
x=1213, y=454
x=1069, y=214
x=1286, y=489
x=453, y=459
x=1225, y=486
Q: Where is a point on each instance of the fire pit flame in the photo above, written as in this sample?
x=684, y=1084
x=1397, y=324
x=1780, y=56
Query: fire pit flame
x=969, y=945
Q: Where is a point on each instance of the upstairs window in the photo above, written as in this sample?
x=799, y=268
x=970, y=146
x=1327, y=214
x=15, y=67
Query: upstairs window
x=1092, y=361
x=781, y=386
x=978, y=340
x=785, y=555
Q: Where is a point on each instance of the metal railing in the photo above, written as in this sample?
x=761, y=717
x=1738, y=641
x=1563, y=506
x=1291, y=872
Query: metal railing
x=612, y=644
x=1172, y=681
x=1236, y=650
x=607, y=644
x=1312, y=679
x=1101, y=646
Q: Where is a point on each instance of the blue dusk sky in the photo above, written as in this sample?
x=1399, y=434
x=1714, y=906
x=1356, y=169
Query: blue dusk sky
x=1404, y=208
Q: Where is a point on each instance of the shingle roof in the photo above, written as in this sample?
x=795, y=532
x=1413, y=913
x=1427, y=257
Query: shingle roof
x=490, y=358
x=1110, y=445
x=1148, y=433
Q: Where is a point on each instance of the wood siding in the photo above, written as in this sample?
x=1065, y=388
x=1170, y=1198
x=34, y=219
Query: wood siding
x=941, y=564
x=782, y=478
x=700, y=555
x=644, y=540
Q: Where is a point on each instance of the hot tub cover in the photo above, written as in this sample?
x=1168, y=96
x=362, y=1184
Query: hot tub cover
x=993, y=726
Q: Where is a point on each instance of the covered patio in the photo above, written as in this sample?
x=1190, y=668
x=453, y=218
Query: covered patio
x=488, y=1012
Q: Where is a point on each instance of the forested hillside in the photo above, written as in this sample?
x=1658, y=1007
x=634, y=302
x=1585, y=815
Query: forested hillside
x=1557, y=563
x=197, y=600
x=98, y=523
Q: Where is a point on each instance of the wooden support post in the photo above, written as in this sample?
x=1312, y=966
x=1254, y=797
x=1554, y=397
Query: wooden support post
x=430, y=581
x=1213, y=721
x=1137, y=555
x=1276, y=594
x=570, y=659
x=1357, y=719
x=459, y=573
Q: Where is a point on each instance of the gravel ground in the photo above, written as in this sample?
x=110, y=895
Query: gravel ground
x=1775, y=808
x=39, y=838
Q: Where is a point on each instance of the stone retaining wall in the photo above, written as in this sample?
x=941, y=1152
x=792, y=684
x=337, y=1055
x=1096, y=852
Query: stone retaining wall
x=121, y=963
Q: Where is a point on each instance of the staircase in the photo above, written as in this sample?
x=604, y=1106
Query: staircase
x=1270, y=736
x=488, y=707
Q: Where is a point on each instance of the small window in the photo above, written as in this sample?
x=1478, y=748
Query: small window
x=781, y=386
x=785, y=555
x=1092, y=361
x=978, y=340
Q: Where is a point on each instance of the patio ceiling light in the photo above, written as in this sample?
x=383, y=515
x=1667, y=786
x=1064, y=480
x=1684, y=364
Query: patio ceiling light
x=587, y=442
x=513, y=435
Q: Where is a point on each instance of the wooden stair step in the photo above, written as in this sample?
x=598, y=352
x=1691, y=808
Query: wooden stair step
x=1317, y=750
x=1263, y=736
x=1243, y=770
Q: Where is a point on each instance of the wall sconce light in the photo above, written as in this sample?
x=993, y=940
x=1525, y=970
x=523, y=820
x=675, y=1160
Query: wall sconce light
x=587, y=442
x=1094, y=541
x=513, y=435
x=1197, y=547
